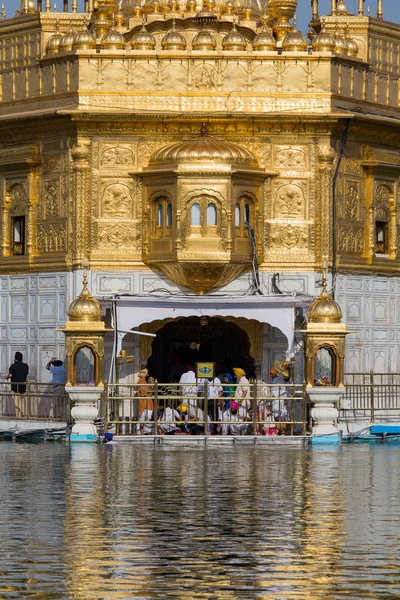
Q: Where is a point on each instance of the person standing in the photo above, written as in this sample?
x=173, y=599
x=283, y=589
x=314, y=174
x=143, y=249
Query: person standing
x=188, y=387
x=242, y=392
x=280, y=375
x=58, y=371
x=18, y=373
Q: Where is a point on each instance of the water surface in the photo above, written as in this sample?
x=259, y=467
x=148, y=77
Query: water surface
x=119, y=522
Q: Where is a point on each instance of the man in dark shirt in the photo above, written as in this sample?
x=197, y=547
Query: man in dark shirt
x=18, y=373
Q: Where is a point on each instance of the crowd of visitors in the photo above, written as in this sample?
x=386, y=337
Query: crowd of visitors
x=223, y=404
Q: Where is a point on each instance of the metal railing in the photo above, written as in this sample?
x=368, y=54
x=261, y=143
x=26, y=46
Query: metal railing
x=40, y=402
x=199, y=408
x=371, y=396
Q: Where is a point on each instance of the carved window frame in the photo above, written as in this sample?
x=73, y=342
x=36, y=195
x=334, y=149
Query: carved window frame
x=204, y=229
x=243, y=201
x=162, y=219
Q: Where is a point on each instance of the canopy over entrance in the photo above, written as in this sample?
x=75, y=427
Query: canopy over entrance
x=277, y=311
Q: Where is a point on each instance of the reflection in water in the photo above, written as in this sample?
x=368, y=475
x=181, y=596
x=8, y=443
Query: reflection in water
x=108, y=522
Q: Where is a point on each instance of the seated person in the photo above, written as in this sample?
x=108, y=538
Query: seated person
x=167, y=421
x=146, y=428
x=195, y=414
x=236, y=418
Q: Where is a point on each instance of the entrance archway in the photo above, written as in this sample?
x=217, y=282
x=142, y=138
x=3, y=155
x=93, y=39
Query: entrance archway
x=190, y=339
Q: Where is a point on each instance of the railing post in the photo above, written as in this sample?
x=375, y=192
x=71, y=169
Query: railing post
x=304, y=404
x=105, y=405
x=28, y=390
x=255, y=406
x=372, y=396
x=205, y=411
x=155, y=413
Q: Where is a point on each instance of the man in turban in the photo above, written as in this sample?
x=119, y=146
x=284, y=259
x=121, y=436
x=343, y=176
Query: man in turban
x=242, y=392
x=280, y=375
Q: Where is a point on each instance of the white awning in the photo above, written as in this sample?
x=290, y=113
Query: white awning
x=277, y=311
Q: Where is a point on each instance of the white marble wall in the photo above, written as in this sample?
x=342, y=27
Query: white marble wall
x=31, y=307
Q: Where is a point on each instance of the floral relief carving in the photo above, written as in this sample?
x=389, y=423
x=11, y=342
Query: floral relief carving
x=117, y=156
x=117, y=235
x=352, y=201
x=383, y=194
x=290, y=158
x=51, y=198
x=117, y=200
x=351, y=240
x=52, y=239
x=289, y=200
x=289, y=236
x=52, y=163
x=17, y=194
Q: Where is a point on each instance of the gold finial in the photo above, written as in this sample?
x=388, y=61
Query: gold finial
x=203, y=130
x=85, y=265
x=324, y=274
x=3, y=12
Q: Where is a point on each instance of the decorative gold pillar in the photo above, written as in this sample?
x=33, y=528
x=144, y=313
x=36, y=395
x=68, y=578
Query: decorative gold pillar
x=80, y=243
x=323, y=234
x=31, y=228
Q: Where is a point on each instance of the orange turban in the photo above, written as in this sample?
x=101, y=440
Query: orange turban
x=239, y=372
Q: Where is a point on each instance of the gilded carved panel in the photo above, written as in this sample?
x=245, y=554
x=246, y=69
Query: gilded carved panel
x=51, y=198
x=290, y=236
x=290, y=157
x=117, y=156
x=290, y=201
x=115, y=235
x=352, y=201
x=351, y=239
x=52, y=238
x=116, y=200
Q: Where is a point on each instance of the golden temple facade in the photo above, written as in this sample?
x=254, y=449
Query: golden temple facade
x=186, y=139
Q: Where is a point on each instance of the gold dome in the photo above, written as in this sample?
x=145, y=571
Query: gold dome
x=113, y=40
x=352, y=45
x=85, y=308
x=83, y=40
x=234, y=40
x=294, y=42
x=204, y=40
x=341, y=45
x=324, y=41
x=264, y=41
x=341, y=8
x=143, y=40
x=173, y=40
x=324, y=309
x=53, y=43
x=67, y=42
x=204, y=149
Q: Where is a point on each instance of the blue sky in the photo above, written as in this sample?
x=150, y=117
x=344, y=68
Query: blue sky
x=391, y=9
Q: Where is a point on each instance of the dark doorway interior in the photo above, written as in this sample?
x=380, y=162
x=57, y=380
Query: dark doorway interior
x=193, y=339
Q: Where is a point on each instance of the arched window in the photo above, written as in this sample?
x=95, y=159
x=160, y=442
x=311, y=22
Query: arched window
x=211, y=214
x=246, y=213
x=160, y=216
x=243, y=215
x=195, y=214
x=169, y=215
x=85, y=366
x=237, y=215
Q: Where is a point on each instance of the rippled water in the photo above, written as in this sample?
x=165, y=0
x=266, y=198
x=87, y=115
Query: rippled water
x=118, y=521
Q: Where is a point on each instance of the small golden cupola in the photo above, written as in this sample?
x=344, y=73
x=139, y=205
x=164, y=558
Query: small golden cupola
x=53, y=43
x=324, y=41
x=173, y=40
x=325, y=340
x=264, y=41
x=234, y=41
x=203, y=200
x=143, y=40
x=85, y=308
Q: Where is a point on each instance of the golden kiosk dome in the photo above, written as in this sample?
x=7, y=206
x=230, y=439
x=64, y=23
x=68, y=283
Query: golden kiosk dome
x=324, y=41
x=264, y=41
x=85, y=308
x=143, y=40
x=83, y=40
x=294, y=42
x=113, y=40
x=67, y=42
x=204, y=40
x=324, y=309
x=53, y=43
x=341, y=45
x=204, y=149
x=234, y=40
x=173, y=40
